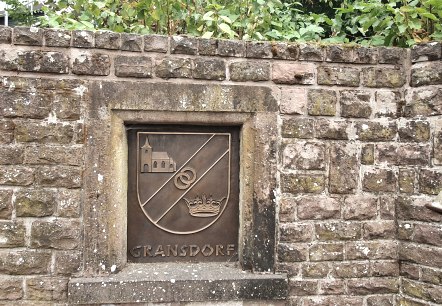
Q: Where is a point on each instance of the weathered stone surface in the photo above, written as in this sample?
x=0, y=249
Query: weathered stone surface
x=379, y=230
x=333, y=300
x=315, y=269
x=360, y=207
x=43, y=133
x=287, y=209
x=5, y=35
x=326, y=252
x=350, y=269
x=428, y=256
x=414, y=209
x=379, y=180
x=321, y=102
x=408, y=302
x=285, y=51
x=384, y=268
x=67, y=262
x=235, y=48
x=373, y=286
x=407, y=180
x=296, y=232
x=12, y=234
x=67, y=177
x=343, y=76
x=18, y=103
x=430, y=275
x=303, y=183
x=331, y=287
x=303, y=287
x=207, y=46
x=383, y=77
x=304, y=155
x=424, y=102
x=293, y=73
x=91, y=64
x=339, y=54
x=46, y=288
x=394, y=56
x=107, y=40
x=57, y=234
x=344, y=169
x=422, y=291
x=34, y=203
x=53, y=155
x=338, y=231
x=174, y=68
x=156, y=43
x=133, y=66
x=367, y=154
x=10, y=155
x=83, y=39
x=428, y=74
x=131, y=42
x=311, y=52
x=57, y=38
x=297, y=128
x=12, y=288
x=294, y=101
x=331, y=129
x=409, y=270
x=376, y=131
x=40, y=61
x=437, y=148
x=288, y=252
x=387, y=207
x=209, y=69
x=404, y=154
x=371, y=250
x=8, y=60
x=69, y=203
x=5, y=204
x=428, y=234
x=6, y=131
x=16, y=175
x=183, y=45
x=430, y=181
x=318, y=208
x=355, y=104
x=365, y=55
x=249, y=71
x=415, y=130
x=258, y=49
x=28, y=36
x=387, y=103
x=25, y=262
x=426, y=52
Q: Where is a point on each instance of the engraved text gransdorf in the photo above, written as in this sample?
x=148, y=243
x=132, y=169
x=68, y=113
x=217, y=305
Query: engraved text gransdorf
x=182, y=250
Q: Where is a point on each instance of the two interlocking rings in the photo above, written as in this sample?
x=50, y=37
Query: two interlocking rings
x=185, y=178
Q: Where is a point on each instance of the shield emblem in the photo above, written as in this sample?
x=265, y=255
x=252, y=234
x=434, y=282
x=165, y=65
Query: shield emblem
x=183, y=179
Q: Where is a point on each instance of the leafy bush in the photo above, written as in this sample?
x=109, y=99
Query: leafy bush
x=376, y=22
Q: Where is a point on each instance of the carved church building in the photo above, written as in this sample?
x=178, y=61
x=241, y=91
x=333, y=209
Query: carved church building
x=155, y=161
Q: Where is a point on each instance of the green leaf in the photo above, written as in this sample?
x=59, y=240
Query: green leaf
x=208, y=16
x=225, y=18
x=207, y=35
x=225, y=28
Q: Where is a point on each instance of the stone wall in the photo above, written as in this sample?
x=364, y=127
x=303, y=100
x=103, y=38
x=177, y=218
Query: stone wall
x=359, y=149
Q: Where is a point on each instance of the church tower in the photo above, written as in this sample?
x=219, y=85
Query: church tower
x=146, y=157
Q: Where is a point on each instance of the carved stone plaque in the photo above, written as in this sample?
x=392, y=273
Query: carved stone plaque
x=183, y=194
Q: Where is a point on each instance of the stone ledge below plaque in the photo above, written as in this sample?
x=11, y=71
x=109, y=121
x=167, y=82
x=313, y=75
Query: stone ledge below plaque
x=178, y=282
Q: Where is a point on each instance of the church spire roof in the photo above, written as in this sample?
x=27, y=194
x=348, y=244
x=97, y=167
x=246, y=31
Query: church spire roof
x=146, y=144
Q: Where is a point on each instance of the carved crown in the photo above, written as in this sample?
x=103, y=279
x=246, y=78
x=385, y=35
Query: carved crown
x=203, y=207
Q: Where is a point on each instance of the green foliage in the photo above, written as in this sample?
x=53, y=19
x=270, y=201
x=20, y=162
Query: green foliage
x=375, y=22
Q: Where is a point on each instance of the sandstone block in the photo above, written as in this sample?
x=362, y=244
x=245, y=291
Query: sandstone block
x=344, y=169
x=379, y=230
x=67, y=104
x=28, y=36
x=371, y=250
x=338, y=54
x=342, y=76
x=183, y=45
x=318, y=208
x=338, y=231
x=409, y=270
x=83, y=39
x=5, y=35
x=360, y=207
x=422, y=291
x=303, y=155
x=156, y=43
x=282, y=50
x=10, y=155
x=355, y=104
x=34, y=203
x=12, y=234
x=426, y=52
x=302, y=287
x=59, y=176
x=57, y=234
x=291, y=268
x=430, y=181
x=332, y=287
x=428, y=234
x=207, y=46
x=296, y=232
x=131, y=42
x=315, y=269
x=311, y=52
x=25, y=262
x=428, y=256
x=365, y=55
x=424, y=102
x=407, y=180
x=294, y=101
x=437, y=148
x=403, y=154
x=6, y=131
x=379, y=180
x=249, y=71
x=293, y=73
x=333, y=300
x=431, y=275
x=415, y=131
x=383, y=77
x=174, y=68
x=107, y=40
x=69, y=203
x=91, y=64
x=288, y=252
x=405, y=231
x=376, y=131
x=258, y=49
x=297, y=128
x=67, y=262
x=394, y=56
x=79, y=133
x=37, y=105
x=428, y=74
x=43, y=133
x=47, y=288
x=373, y=286
x=57, y=38
x=133, y=66
x=287, y=209
x=367, y=154
x=303, y=183
x=387, y=207
x=16, y=175
x=355, y=269
x=408, y=302
x=384, y=268
x=321, y=102
x=12, y=288
x=414, y=209
x=53, y=155
x=236, y=48
x=332, y=129
x=5, y=204
x=40, y=61
x=209, y=69
x=326, y=252
x=387, y=103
